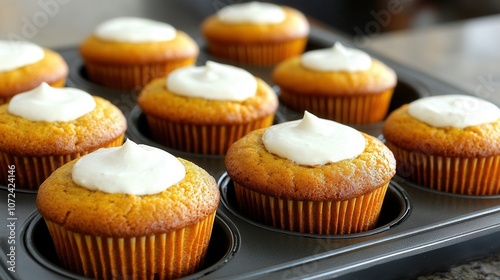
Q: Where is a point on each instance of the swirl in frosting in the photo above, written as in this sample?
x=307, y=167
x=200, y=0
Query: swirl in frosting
x=129, y=169
x=252, y=12
x=50, y=104
x=313, y=141
x=336, y=58
x=17, y=54
x=214, y=81
x=457, y=111
x=135, y=30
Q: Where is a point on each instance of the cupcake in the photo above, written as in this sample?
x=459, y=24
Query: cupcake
x=205, y=109
x=126, y=52
x=339, y=83
x=46, y=127
x=311, y=176
x=255, y=33
x=449, y=143
x=24, y=66
x=129, y=212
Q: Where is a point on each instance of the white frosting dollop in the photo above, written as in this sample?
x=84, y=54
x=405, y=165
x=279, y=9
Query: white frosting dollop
x=50, y=104
x=129, y=169
x=457, y=111
x=135, y=30
x=313, y=141
x=336, y=58
x=213, y=81
x=17, y=54
x=252, y=12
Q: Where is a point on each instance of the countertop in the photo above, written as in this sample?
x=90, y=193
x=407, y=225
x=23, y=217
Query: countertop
x=464, y=54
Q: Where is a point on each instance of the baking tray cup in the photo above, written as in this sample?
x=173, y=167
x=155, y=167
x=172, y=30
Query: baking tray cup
x=419, y=230
x=223, y=246
x=395, y=208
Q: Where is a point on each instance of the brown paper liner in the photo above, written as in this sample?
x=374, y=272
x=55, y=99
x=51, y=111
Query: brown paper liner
x=257, y=54
x=202, y=139
x=468, y=176
x=131, y=77
x=351, y=109
x=58, y=83
x=30, y=171
x=314, y=217
x=162, y=256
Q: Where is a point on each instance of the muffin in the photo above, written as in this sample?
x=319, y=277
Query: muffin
x=126, y=52
x=205, y=109
x=449, y=143
x=130, y=212
x=24, y=66
x=311, y=176
x=46, y=127
x=255, y=33
x=339, y=83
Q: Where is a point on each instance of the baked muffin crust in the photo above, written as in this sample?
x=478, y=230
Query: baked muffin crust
x=292, y=76
x=84, y=211
x=411, y=134
x=52, y=69
x=121, y=53
x=155, y=100
x=22, y=137
x=249, y=164
x=294, y=26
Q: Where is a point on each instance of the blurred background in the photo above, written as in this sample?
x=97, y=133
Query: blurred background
x=392, y=15
x=63, y=23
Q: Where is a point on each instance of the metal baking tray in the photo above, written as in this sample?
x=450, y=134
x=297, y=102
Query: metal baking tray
x=418, y=231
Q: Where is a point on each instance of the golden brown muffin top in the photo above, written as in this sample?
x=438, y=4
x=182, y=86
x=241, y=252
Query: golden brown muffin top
x=249, y=164
x=94, y=49
x=22, y=137
x=294, y=26
x=52, y=68
x=85, y=211
x=291, y=75
x=413, y=135
x=155, y=100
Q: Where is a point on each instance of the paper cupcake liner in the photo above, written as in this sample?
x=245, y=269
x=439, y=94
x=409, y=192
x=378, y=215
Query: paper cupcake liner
x=162, y=256
x=314, y=217
x=355, y=109
x=30, y=172
x=202, y=139
x=131, y=77
x=468, y=176
x=58, y=83
x=257, y=54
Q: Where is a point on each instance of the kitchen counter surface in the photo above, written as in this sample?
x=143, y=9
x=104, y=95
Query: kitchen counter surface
x=486, y=268
x=463, y=54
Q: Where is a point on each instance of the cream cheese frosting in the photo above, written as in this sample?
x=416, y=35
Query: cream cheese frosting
x=214, y=81
x=313, y=141
x=135, y=30
x=336, y=58
x=129, y=169
x=457, y=111
x=17, y=54
x=252, y=12
x=50, y=104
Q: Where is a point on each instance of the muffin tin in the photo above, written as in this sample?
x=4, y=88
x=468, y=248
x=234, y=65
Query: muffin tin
x=419, y=230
